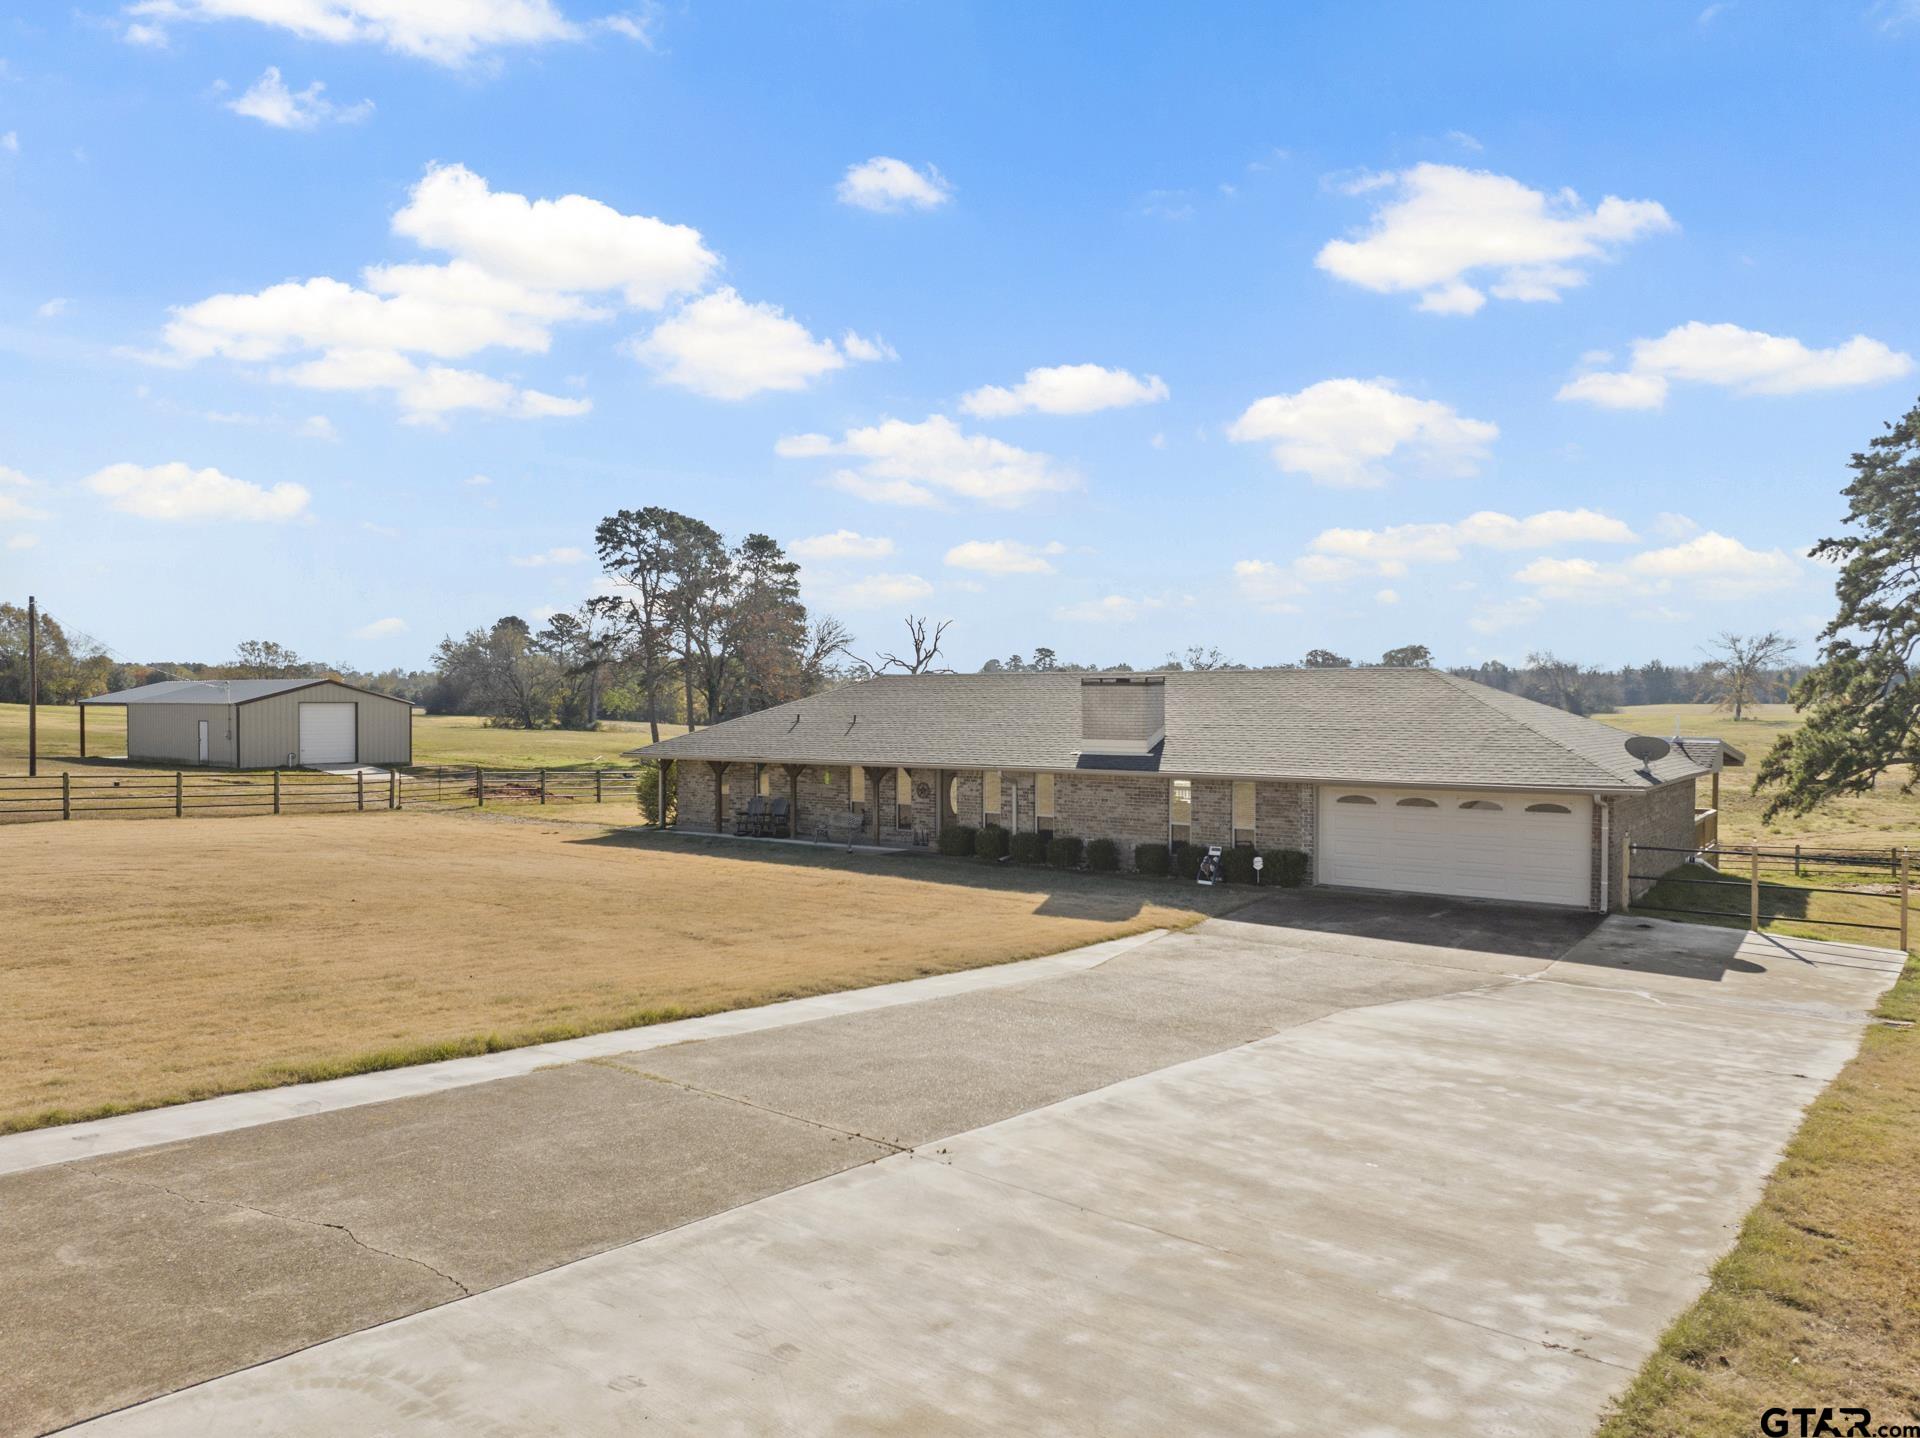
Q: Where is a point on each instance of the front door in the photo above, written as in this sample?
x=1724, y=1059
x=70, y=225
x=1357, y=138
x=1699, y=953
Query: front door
x=203, y=741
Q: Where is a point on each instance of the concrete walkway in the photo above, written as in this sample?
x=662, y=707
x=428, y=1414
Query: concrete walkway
x=1302, y=1169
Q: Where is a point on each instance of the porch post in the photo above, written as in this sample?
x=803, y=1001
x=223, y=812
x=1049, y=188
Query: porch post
x=719, y=797
x=873, y=799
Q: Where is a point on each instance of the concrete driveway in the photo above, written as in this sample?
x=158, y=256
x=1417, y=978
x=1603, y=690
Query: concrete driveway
x=1395, y=1166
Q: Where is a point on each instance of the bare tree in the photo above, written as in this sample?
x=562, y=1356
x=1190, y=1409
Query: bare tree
x=1201, y=657
x=1561, y=682
x=1736, y=667
x=926, y=648
x=827, y=640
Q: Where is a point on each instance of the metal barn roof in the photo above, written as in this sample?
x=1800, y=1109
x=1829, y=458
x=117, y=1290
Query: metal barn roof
x=221, y=691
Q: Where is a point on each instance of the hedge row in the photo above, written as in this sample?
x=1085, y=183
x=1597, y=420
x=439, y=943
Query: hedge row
x=1286, y=867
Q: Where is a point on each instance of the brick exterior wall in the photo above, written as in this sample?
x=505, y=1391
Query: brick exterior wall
x=1126, y=808
x=1661, y=818
x=1285, y=816
x=693, y=796
x=1212, y=813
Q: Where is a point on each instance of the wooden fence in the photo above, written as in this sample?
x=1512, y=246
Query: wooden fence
x=106, y=794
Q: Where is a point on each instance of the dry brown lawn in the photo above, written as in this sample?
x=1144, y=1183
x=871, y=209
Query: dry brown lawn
x=147, y=964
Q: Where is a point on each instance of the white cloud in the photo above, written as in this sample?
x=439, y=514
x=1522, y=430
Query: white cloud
x=1271, y=586
x=1438, y=227
x=1745, y=361
x=1720, y=566
x=1573, y=578
x=1386, y=596
x=570, y=244
x=12, y=476
x=1438, y=543
x=1675, y=526
x=565, y=554
x=879, y=591
x=1066, y=389
x=1617, y=390
x=52, y=308
x=841, y=544
x=448, y=32
x=15, y=509
x=723, y=347
x=1340, y=432
x=519, y=267
x=272, y=103
x=22, y=541
x=381, y=629
x=905, y=463
x=10, y=142
x=889, y=186
x=1111, y=609
x=1710, y=565
x=177, y=492
x=1497, y=615
x=317, y=426
x=1004, y=556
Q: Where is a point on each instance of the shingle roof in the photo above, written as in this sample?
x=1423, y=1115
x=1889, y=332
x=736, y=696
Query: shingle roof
x=1388, y=726
x=216, y=691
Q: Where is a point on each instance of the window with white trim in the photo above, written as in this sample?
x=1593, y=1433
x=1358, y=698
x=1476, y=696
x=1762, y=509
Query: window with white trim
x=902, y=799
x=990, y=797
x=1043, y=801
x=1243, y=813
x=1179, y=811
x=857, y=784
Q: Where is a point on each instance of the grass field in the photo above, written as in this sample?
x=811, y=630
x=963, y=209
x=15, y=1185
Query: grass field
x=1818, y=1303
x=437, y=739
x=1882, y=819
x=251, y=954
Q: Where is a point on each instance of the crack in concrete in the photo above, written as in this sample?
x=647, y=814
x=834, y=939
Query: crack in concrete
x=234, y=1203
x=608, y=1063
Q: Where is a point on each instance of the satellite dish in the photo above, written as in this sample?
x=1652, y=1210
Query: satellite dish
x=1648, y=749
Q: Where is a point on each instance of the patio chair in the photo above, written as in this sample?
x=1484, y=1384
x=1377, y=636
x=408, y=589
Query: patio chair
x=752, y=820
x=779, y=820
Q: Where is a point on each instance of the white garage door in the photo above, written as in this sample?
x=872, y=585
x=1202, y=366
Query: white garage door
x=326, y=734
x=1532, y=847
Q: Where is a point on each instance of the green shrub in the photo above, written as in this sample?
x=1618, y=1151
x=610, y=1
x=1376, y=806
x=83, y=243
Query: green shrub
x=1286, y=867
x=991, y=842
x=1103, y=856
x=1027, y=849
x=957, y=840
x=1063, y=851
x=1154, y=859
x=646, y=789
x=1238, y=865
x=1186, y=860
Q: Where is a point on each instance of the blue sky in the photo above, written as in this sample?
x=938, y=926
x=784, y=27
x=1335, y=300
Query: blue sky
x=1495, y=328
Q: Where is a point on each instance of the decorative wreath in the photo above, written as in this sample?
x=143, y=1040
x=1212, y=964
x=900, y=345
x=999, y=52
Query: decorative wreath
x=923, y=790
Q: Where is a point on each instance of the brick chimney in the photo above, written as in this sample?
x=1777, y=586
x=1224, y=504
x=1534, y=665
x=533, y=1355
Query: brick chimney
x=1122, y=713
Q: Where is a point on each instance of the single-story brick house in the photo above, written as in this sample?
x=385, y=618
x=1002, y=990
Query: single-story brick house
x=1399, y=779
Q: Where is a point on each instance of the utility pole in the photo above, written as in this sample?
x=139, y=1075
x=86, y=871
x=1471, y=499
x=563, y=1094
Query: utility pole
x=33, y=687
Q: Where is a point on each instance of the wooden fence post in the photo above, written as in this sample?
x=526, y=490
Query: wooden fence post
x=596, y=786
x=1906, y=897
x=543, y=786
x=276, y=791
x=360, y=789
x=66, y=795
x=1796, y=861
x=1753, y=913
x=480, y=786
